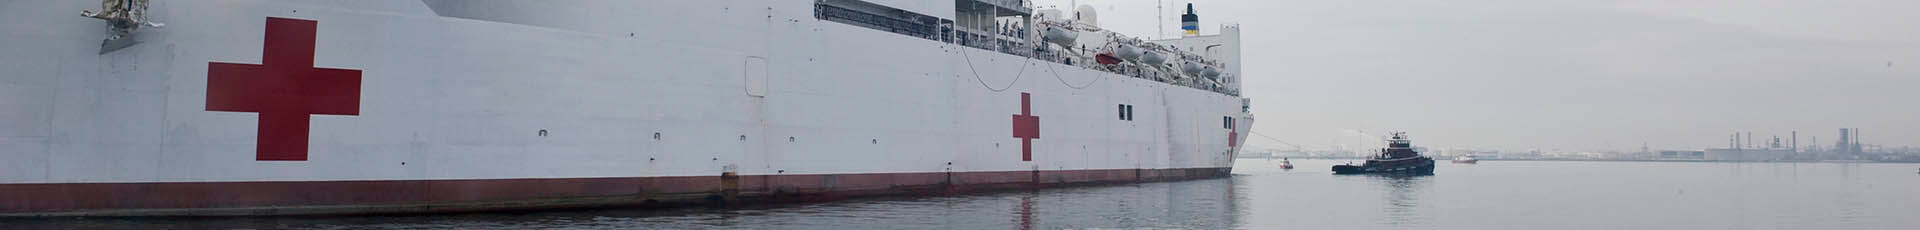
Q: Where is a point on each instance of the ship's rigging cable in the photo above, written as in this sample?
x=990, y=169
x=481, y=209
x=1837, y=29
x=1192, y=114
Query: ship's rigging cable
x=1063, y=81
x=1296, y=147
x=983, y=82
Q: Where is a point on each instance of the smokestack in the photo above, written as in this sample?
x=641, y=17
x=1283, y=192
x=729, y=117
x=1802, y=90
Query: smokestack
x=1842, y=146
x=1796, y=141
x=1190, y=22
x=1749, y=140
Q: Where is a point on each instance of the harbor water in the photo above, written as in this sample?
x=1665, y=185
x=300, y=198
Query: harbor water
x=1488, y=195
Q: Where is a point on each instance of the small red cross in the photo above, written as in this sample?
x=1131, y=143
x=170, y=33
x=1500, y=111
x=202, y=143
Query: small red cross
x=1233, y=136
x=284, y=88
x=1026, y=126
x=1233, y=132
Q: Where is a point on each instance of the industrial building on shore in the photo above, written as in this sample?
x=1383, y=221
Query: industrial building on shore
x=1741, y=147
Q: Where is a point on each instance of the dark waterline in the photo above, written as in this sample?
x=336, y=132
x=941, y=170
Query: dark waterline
x=1489, y=195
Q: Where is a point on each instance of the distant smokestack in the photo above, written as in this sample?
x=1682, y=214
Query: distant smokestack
x=1843, y=146
x=1796, y=141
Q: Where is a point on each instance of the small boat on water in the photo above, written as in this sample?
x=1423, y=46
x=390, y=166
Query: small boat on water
x=1286, y=164
x=1468, y=159
x=1397, y=158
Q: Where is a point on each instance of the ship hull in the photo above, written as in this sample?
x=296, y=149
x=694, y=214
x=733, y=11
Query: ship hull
x=526, y=106
x=1418, y=166
x=447, y=196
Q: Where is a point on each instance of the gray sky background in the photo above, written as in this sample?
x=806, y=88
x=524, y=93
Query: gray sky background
x=1566, y=74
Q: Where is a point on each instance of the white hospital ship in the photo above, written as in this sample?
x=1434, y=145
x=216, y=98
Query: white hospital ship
x=263, y=107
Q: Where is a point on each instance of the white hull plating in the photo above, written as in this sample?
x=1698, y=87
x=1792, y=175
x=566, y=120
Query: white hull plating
x=587, y=90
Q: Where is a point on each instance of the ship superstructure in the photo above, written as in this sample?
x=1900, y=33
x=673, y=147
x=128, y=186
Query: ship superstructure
x=258, y=107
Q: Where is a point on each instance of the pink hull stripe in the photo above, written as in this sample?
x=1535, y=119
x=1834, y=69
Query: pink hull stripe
x=431, y=196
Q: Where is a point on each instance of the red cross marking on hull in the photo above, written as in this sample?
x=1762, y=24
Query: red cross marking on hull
x=1026, y=126
x=1233, y=137
x=284, y=88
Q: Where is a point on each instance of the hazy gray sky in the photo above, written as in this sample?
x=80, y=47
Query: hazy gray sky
x=1567, y=74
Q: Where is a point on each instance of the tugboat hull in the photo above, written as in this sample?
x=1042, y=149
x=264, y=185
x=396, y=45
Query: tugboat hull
x=1418, y=167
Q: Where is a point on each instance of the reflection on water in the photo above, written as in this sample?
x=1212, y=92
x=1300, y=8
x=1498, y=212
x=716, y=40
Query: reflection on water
x=1402, y=197
x=1490, y=195
x=1026, y=213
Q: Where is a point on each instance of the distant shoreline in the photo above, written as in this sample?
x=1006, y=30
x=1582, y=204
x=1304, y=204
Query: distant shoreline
x=1635, y=160
x=1707, y=161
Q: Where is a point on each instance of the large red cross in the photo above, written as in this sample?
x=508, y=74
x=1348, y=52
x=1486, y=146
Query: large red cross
x=1026, y=126
x=284, y=88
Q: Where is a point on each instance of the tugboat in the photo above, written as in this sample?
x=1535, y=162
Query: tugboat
x=1397, y=158
x=1467, y=159
x=1286, y=164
